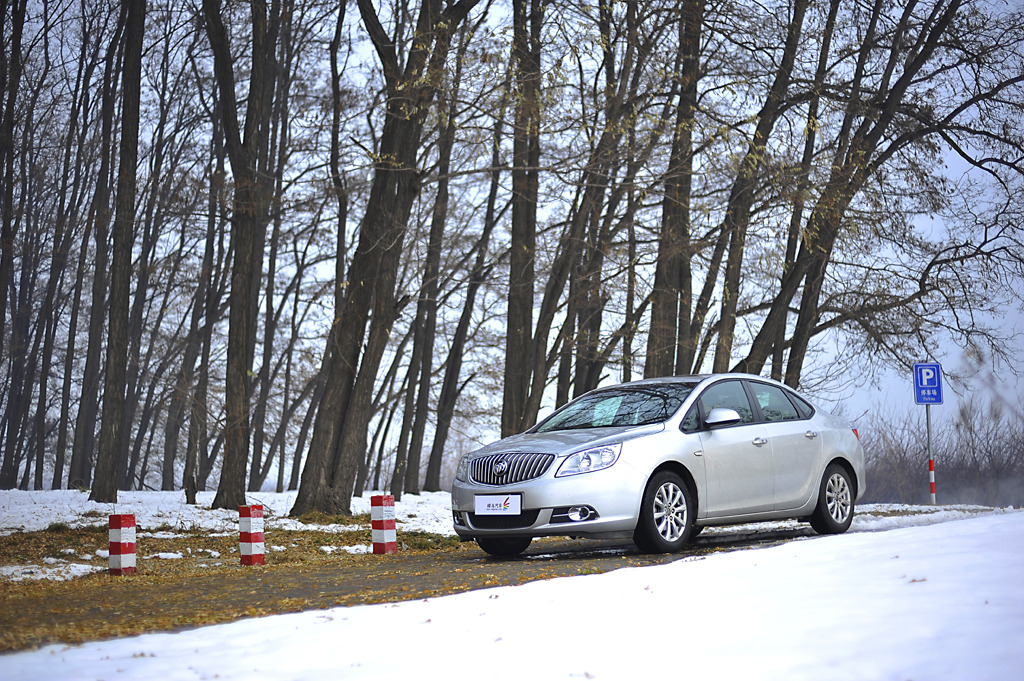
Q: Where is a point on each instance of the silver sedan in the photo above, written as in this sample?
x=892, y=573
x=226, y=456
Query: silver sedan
x=658, y=460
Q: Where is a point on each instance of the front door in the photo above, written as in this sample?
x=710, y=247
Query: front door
x=738, y=458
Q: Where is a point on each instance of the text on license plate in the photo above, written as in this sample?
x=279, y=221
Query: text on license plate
x=499, y=504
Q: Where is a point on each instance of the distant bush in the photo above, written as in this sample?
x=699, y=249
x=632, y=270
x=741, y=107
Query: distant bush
x=979, y=458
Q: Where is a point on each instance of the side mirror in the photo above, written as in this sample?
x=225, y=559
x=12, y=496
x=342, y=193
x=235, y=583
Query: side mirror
x=721, y=417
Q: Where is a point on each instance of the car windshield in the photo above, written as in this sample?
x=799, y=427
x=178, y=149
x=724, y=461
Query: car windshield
x=620, y=406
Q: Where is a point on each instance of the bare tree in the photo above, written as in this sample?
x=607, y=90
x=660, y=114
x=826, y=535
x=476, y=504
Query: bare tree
x=247, y=148
x=112, y=433
x=10, y=69
x=883, y=124
x=80, y=469
x=527, y=20
x=672, y=289
x=339, y=435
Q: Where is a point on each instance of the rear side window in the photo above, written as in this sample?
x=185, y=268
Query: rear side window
x=728, y=395
x=774, y=404
x=802, y=406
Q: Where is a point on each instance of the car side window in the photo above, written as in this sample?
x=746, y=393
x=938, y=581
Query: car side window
x=691, y=422
x=728, y=395
x=802, y=406
x=774, y=404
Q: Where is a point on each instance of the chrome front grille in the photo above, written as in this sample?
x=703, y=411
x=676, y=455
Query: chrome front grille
x=509, y=468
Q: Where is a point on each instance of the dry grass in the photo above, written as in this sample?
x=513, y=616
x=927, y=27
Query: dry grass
x=201, y=588
x=206, y=585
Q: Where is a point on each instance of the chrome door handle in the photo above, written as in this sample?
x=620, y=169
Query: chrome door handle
x=760, y=442
x=810, y=435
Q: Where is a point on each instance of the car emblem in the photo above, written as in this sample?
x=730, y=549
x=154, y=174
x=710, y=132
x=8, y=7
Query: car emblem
x=501, y=467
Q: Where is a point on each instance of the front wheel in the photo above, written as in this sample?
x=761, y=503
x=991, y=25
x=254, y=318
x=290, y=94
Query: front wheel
x=834, y=511
x=666, y=515
x=504, y=547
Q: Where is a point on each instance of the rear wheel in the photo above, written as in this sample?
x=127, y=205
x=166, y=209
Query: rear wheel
x=834, y=511
x=666, y=515
x=504, y=546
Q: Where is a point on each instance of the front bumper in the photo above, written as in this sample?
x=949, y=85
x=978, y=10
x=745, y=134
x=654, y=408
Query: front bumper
x=611, y=498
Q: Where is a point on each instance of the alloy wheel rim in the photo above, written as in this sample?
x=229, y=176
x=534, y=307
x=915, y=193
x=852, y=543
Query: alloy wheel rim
x=837, y=496
x=670, y=512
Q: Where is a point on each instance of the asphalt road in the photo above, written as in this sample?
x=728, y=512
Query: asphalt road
x=603, y=553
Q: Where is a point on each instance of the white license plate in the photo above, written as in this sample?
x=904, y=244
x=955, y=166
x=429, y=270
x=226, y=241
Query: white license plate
x=499, y=504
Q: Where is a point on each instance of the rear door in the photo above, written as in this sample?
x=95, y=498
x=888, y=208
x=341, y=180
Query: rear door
x=795, y=444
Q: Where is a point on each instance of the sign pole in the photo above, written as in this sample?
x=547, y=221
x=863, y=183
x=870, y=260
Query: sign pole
x=931, y=458
x=928, y=391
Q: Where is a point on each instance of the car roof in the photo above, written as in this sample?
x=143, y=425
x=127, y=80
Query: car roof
x=694, y=378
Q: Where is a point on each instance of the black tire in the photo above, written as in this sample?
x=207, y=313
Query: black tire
x=834, y=511
x=504, y=547
x=666, y=515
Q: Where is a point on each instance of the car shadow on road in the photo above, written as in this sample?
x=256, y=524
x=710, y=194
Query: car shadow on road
x=603, y=555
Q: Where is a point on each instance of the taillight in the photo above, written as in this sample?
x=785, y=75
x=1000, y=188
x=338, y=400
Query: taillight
x=856, y=433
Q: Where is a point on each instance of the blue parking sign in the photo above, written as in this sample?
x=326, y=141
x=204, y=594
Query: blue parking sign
x=928, y=383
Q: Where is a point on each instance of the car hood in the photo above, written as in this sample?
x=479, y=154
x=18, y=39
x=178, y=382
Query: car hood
x=566, y=441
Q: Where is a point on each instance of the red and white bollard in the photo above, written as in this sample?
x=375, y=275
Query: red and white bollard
x=250, y=535
x=121, y=542
x=382, y=522
x=931, y=478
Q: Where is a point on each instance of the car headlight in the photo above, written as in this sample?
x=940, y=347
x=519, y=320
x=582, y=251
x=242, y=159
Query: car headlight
x=589, y=460
x=462, y=472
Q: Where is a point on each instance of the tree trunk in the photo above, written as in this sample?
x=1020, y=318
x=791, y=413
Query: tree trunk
x=181, y=397
x=527, y=18
x=453, y=365
x=427, y=308
x=71, y=188
x=278, y=154
x=378, y=443
x=307, y=421
x=397, y=485
x=12, y=79
x=196, y=411
x=741, y=198
x=627, y=339
x=80, y=468
x=134, y=388
x=104, y=487
x=803, y=181
x=247, y=149
x=670, y=344
x=339, y=435
x=17, y=407
x=71, y=210
x=69, y=358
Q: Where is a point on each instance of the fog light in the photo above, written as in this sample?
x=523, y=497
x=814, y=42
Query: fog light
x=578, y=513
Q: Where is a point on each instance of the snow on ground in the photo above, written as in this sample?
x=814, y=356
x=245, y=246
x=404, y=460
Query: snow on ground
x=30, y=511
x=165, y=514
x=910, y=593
